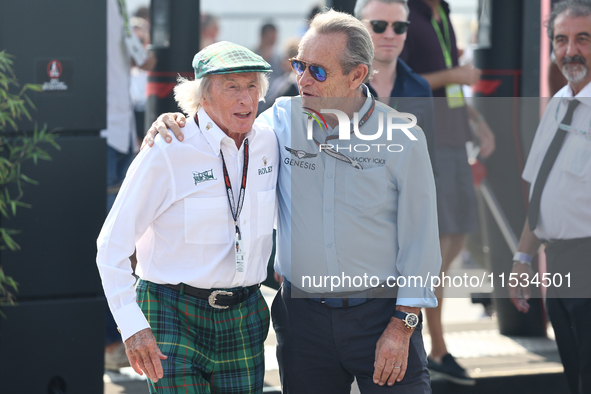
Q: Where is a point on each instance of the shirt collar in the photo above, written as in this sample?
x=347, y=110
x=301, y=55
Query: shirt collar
x=213, y=134
x=584, y=95
x=362, y=111
x=367, y=105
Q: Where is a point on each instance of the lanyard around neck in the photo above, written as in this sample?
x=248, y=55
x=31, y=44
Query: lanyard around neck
x=233, y=208
x=445, y=44
x=236, y=209
x=341, y=156
x=123, y=12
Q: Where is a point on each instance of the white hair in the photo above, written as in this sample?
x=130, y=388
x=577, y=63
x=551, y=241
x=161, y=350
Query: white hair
x=189, y=94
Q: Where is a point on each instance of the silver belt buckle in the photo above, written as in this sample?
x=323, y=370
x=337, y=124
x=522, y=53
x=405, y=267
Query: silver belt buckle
x=213, y=298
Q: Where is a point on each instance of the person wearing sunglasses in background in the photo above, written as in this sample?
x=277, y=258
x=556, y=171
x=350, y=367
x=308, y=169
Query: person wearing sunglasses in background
x=387, y=22
x=431, y=51
x=346, y=212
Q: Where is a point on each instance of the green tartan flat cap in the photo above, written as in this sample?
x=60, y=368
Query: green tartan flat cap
x=225, y=58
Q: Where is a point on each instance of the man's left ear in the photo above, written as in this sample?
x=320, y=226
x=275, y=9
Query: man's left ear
x=357, y=76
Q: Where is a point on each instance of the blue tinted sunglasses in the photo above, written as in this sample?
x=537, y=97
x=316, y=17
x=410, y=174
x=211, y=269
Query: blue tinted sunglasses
x=299, y=67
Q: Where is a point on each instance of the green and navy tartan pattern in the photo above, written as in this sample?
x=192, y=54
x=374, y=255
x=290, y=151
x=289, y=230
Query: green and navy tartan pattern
x=226, y=57
x=209, y=350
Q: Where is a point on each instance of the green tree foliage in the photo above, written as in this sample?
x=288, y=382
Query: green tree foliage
x=16, y=147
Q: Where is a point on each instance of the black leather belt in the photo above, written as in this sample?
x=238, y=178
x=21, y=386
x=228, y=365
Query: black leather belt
x=220, y=299
x=351, y=299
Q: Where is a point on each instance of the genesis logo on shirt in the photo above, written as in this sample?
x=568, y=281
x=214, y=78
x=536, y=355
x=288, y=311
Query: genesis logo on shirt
x=203, y=176
x=300, y=154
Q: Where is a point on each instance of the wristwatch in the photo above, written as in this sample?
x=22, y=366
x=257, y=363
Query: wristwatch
x=411, y=320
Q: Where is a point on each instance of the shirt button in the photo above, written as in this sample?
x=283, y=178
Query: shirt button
x=244, y=221
x=236, y=284
x=328, y=245
x=328, y=209
x=329, y=176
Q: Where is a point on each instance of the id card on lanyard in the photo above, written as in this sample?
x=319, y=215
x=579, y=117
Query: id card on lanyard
x=453, y=92
x=135, y=47
x=236, y=209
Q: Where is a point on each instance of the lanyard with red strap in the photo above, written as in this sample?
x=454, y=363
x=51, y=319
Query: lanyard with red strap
x=236, y=209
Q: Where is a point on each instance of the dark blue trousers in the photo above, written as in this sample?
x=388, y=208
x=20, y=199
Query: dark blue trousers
x=321, y=350
x=569, y=309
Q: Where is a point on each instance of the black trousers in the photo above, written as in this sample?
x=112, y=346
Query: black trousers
x=569, y=310
x=320, y=350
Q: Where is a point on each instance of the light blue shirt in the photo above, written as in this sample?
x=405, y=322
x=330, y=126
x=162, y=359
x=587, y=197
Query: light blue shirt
x=338, y=221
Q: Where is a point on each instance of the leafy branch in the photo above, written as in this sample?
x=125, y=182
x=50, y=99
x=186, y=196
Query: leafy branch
x=15, y=149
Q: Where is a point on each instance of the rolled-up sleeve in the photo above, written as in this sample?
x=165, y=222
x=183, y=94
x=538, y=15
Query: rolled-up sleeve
x=419, y=254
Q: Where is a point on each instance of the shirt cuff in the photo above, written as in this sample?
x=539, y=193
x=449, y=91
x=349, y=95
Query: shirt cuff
x=417, y=302
x=130, y=319
x=416, y=298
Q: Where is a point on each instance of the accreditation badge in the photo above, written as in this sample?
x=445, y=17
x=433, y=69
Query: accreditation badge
x=239, y=254
x=136, y=49
x=455, y=96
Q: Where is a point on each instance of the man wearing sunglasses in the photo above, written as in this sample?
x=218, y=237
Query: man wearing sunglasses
x=431, y=51
x=387, y=22
x=345, y=212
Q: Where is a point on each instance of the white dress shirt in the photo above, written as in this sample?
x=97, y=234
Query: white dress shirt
x=565, y=208
x=174, y=209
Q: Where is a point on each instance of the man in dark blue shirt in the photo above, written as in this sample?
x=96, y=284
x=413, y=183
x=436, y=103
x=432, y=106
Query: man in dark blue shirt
x=386, y=21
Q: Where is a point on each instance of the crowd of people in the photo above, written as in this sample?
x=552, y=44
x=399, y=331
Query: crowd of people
x=188, y=310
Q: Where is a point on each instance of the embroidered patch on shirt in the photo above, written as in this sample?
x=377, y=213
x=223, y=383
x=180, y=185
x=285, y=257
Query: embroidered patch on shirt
x=300, y=154
x=265, y=170
x=203, y=176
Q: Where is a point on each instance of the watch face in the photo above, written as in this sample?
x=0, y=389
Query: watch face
x=412, y=320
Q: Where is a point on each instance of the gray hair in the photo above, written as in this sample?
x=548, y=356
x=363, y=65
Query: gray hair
x=189, y=94
x=359, y=48
x=572, y=8
x=360, y=5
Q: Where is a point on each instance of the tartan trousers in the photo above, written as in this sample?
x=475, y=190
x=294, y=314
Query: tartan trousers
x=209, y=350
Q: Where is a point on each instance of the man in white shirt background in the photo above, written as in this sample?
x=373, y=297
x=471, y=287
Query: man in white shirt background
x=201, y=215
x=558, y=169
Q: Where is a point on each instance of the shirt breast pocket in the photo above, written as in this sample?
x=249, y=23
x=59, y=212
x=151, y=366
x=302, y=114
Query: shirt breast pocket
x=266, y=208
x=366, y=189
x=207, y=220
x=578, y=162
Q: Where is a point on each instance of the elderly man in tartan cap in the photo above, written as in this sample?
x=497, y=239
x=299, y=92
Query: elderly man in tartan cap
x=200, y=214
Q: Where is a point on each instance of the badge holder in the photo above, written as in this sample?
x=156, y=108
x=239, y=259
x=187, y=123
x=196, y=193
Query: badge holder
x=455, y=96
x=134, y=46
x=239, y=254
x=136, y=49
x=236, y=209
